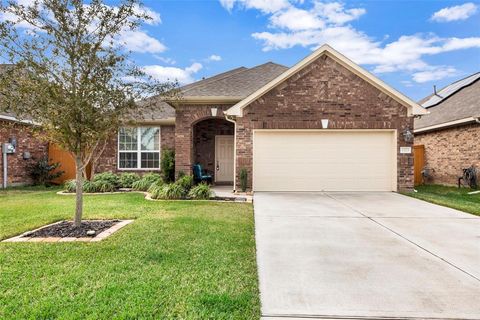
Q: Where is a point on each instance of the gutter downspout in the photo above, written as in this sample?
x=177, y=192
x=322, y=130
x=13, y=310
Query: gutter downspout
x=232, y=120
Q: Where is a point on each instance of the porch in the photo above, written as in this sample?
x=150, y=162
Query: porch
x=204, y=136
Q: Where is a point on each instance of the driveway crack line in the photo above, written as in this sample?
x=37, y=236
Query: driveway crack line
x=403, y=237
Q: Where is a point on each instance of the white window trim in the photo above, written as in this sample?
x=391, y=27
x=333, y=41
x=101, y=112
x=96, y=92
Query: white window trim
x=139, y=151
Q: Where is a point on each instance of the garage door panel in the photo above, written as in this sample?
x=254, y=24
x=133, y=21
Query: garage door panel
x=323, y=160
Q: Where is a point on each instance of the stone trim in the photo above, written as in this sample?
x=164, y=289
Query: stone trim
x=99, y=237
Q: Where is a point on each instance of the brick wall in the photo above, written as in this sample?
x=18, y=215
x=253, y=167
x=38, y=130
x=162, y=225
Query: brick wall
x=26, y=141
x=108, y=160
x=186, y=118
x=450, y=150
x=325, y=90
x=204, y=133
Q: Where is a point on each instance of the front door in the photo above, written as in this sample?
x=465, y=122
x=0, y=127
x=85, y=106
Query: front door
x=224, y=153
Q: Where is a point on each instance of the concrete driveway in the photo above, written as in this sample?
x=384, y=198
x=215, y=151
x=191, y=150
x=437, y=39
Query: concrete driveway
x=365, y=255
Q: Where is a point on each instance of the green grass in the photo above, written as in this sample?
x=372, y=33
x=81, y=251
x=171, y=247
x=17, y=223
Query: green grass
x=178, y=260
x=452, y=197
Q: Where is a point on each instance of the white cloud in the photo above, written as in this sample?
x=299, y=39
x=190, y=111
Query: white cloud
x=183, y=76
x=436, y=73
x=329, y=23
x=140, y=41
x=407, y=83
x=228, y=4
x=296, y=19
x=266, y=6
x=455, y=13
x=165, y=59
x=461, y=43
x=137, y=40
x=155, y=18
x=215, y=57
x=335, y=13
x=194, y=68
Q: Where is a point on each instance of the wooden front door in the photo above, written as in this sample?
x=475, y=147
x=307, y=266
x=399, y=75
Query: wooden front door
x=224, y=153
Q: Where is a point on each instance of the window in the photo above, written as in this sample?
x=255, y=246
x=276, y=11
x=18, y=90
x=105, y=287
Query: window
x=139, y=148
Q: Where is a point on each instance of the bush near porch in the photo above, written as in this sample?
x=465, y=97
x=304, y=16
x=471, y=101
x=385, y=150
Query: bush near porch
x=177, y=260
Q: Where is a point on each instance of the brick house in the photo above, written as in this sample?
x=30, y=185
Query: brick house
x=450, y=133
x=323, y=124
x=29, y=148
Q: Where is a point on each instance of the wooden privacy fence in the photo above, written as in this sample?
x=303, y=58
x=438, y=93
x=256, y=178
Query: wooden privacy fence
x=67, y=163
x=418, y=163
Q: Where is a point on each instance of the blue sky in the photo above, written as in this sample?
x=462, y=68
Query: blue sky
x=411, y=45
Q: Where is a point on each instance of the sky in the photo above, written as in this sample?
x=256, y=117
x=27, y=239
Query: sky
x=411, y=45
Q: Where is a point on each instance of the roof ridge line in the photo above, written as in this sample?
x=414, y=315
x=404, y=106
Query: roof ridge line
x=448, y=85
x=443, y=98
x=212, y=79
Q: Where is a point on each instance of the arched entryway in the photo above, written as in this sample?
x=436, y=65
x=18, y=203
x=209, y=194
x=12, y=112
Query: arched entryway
x=213, y=147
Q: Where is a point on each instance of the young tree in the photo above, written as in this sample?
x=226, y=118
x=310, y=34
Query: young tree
x=70, y=74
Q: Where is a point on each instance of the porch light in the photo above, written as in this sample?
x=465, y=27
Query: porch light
x=214, y=111
x=407, y=135
x=324, y=123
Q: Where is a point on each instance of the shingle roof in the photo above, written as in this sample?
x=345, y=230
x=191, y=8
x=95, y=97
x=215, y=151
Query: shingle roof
x=444, y=93
x=457, y=101
x=156, y=110
x=237, y=83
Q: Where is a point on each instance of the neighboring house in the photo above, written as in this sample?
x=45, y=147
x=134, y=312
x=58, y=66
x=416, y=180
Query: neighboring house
x=29, y=148
x=450, y=132
x=323, y=124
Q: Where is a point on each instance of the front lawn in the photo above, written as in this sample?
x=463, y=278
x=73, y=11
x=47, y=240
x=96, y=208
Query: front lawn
x=177, y=260
x=452, y=197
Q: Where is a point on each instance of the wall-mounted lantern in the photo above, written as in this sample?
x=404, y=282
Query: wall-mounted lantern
x=325, y=123
x=214, y=111
x=407, y=135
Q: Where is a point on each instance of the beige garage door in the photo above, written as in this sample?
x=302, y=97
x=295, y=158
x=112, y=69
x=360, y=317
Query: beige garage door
x=319, y=160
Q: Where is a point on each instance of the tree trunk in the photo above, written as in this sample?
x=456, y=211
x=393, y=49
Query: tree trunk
x=93, y=166
x=79, y=191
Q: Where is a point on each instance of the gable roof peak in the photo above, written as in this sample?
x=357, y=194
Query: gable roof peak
x=413, y=107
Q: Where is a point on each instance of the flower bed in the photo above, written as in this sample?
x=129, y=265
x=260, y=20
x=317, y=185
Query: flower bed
x=152, y=183
x=65, y=231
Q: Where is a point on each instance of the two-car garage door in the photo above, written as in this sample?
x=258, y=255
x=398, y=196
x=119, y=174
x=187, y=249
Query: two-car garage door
x=330, y=160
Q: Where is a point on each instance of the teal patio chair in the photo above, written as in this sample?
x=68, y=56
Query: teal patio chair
x=199, y=175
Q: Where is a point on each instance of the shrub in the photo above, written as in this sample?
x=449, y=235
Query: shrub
x=155, y=191
x=181, y=174
x=243, y=179
x=70, y=185
x=146, y=181
x=101, y=186
x=174, y=191
x=112, y=178
x=127, y=179
x=155, y=185
x=169, y=192
x=201, y=191
x=42, y=172
x=186, y=182
x=90, y=187
x=167, y=165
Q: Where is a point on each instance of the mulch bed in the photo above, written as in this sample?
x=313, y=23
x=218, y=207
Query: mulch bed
x=67, y=229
